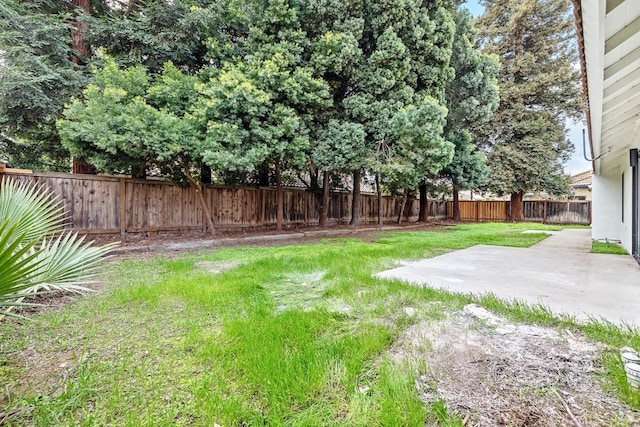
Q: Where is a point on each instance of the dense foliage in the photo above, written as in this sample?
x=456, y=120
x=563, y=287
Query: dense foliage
x=472, y=98
x=391, y=90
x=539, y=91
x=37, y=78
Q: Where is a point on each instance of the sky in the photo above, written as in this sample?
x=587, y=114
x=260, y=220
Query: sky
x=577, y=162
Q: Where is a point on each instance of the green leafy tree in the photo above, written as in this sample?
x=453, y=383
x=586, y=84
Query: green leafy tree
x=539, y=90
x=154, y=32
x=37, y=77
x=256, y=110
x=386, y=64
x=335, y=29
x=340, y=147
x=472, y=98
x=467, y=170
x=126, y=123
x=32, y=258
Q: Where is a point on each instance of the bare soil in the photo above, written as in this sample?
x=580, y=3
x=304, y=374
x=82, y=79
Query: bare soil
x=136, y=245
x=491, y=372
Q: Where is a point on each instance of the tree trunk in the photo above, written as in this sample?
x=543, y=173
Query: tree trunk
x=324, y=207
x=205, y=174
x=263, y=175
x=313, y=178
x=456, y=204
x=139, y=171
x=81, y=166
x=516, y=207
x=78, y=42
x=355, y=205
x=403, y=203
x=379, y=190
x=279, y=198
x=423, y=216
x=203, y=204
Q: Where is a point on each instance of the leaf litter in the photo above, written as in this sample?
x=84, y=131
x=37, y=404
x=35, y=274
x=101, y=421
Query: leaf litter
x=491, y=372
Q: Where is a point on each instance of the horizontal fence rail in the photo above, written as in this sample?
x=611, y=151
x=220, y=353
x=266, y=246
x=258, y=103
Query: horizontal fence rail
x=110, y=205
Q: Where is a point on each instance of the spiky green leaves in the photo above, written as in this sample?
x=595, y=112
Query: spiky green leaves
x=32, y=259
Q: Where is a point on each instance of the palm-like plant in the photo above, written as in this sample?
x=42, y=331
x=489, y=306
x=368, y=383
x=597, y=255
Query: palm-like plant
x=35, y=255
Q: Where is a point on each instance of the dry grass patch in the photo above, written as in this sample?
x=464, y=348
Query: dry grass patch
x=489, y=371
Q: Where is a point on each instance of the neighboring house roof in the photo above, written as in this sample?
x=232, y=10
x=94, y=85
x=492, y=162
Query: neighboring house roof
x=581, y=180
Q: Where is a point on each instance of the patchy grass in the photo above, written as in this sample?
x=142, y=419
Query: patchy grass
x=608, y=248
x=292, y=335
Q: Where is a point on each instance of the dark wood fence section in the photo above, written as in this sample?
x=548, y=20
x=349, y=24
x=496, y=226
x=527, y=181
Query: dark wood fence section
x=547, y=211
x=110, y=205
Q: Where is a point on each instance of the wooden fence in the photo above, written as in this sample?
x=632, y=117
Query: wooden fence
x=110, y=205
x=547, y=211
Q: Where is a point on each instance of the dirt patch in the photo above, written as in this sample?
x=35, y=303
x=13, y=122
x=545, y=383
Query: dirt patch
x=144, y=245
x=42, y=373
x=492, y=372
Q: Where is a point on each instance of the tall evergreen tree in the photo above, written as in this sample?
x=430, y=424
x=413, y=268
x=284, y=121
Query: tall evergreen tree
x=388, y=77
x=37, y=77
x=153, y=32
x=539, y=91
x=255, y=110
x=472, y=98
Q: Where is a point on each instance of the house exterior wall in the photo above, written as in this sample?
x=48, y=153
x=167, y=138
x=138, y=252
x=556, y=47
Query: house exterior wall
x=607, y=207
x=612, y=201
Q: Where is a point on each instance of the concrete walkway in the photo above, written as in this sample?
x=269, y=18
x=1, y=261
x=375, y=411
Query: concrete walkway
x=559, y=272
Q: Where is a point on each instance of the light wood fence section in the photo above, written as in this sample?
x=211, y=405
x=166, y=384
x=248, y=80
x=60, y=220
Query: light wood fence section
x=547, y=211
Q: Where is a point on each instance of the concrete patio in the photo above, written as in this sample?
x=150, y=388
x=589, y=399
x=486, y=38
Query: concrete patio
x=559, y=272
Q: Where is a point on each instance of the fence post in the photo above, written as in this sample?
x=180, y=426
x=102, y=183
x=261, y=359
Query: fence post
x=203, y=217
x=123, y=207
x=263, y=204
x=477, y=211
x=544, y=212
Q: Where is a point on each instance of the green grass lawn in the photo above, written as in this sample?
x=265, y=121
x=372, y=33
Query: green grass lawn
x=291, y=335
x=608, y=248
